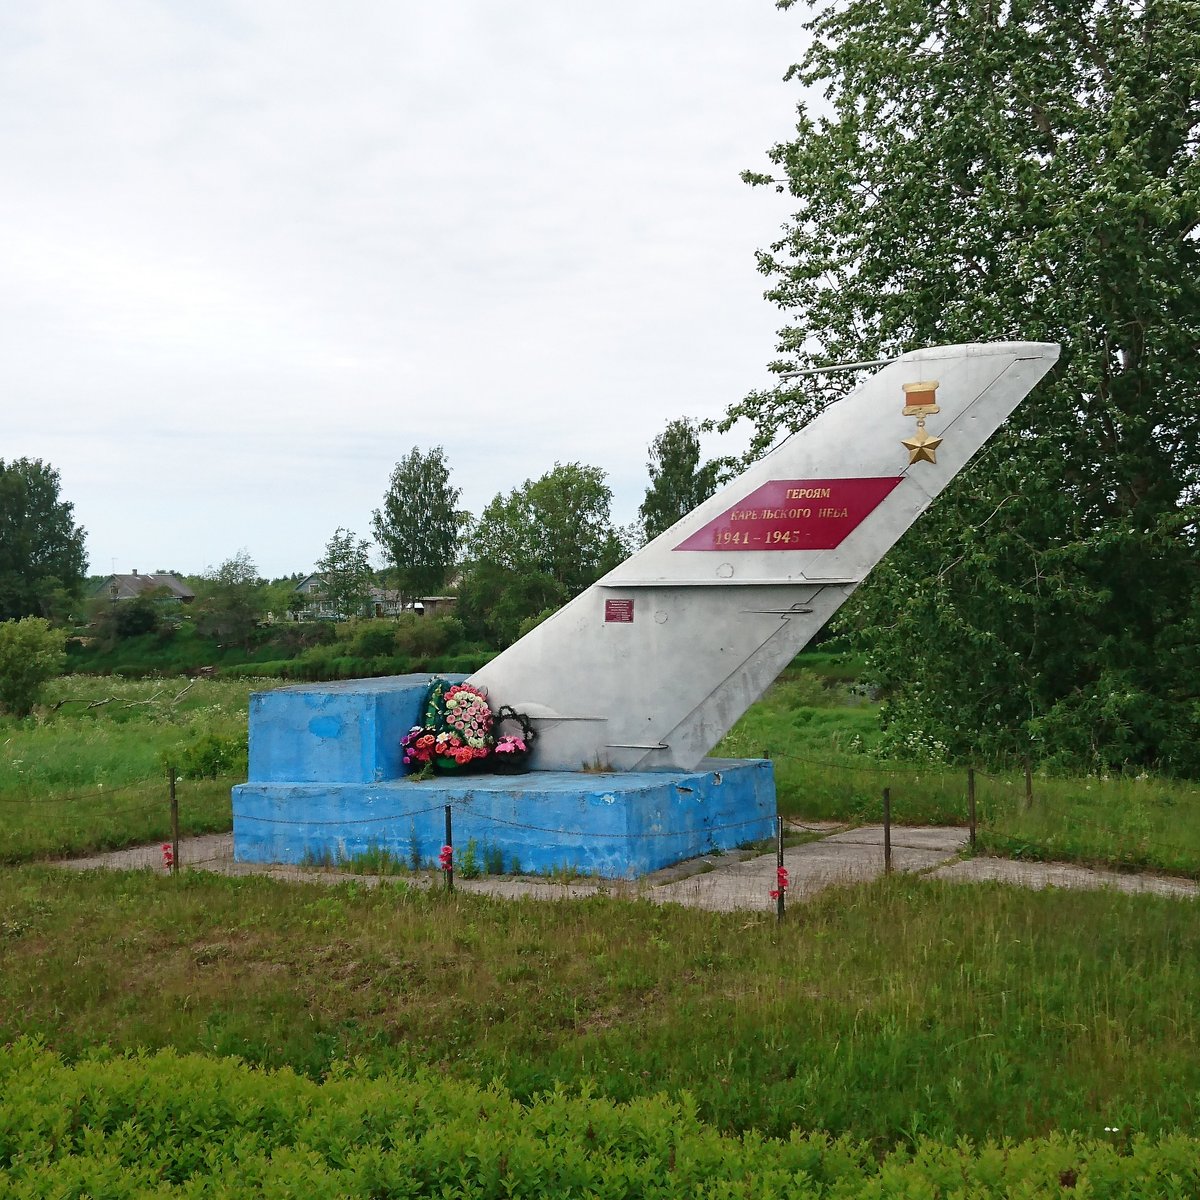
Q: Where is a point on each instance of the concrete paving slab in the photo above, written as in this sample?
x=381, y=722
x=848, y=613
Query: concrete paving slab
x=214, y=852
x=1062, y=875
x=940, y=839
x=836, y=860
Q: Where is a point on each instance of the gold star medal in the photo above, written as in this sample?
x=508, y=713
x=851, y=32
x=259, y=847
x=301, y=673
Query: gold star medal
x=921, y=447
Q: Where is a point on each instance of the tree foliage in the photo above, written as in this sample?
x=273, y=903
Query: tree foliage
x=345, y=571
x=536, y=548
x=41, y=548
x=1017, y=171
x=678, y=483
x=418, y=525
x=31, y=653
x=154, y=612
x=232, y=599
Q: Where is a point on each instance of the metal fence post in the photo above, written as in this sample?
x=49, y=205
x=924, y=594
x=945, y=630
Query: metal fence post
x=450, y=843
x=971, y=803
x=887, y=830
x=780, y=902
x=174, y=821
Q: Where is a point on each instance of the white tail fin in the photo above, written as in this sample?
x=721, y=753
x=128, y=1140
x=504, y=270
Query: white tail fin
x=652, y=665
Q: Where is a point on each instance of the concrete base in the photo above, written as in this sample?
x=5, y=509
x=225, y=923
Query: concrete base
x=613, y=825
x=344, y=732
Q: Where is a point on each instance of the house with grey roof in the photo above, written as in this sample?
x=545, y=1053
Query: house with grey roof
x=133, y=585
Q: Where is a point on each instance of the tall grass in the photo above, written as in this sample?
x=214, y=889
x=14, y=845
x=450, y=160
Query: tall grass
x=892, y=1010
x=1127, y=822
x=90, y=773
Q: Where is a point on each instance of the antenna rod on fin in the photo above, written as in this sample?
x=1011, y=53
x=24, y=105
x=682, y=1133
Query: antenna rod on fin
x=829, y=370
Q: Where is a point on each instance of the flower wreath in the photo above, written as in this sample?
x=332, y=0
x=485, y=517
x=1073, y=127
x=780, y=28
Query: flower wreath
x=459, y=733
x=457, y=730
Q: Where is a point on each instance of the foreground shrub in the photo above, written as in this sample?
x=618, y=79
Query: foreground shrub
x=31, y=654
x=153, y=1124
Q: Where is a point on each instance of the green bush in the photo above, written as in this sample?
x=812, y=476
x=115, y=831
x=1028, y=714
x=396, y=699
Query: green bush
x=374, y=639
x=531, y=623
x=169, y=1123
x=31, y=653
x=423, y=637
x=315, y=663
x=214, y=754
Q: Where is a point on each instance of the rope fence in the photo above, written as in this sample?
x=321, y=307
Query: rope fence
x=390, y=817
x=74, y=797
x=175, y=861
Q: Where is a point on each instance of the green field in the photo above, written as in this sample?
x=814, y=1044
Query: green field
x=889, y=1011
x=824, y=741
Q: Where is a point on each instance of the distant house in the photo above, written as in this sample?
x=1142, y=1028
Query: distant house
x=381, y=602
x=435, y=606
x=133, y=585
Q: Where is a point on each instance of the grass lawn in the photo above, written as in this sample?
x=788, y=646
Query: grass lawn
x=889, y=1011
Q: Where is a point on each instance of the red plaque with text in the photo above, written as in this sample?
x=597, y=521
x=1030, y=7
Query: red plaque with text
x=794, y=514
x=618, y=611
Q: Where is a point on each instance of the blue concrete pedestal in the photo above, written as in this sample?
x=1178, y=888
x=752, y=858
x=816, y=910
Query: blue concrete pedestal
x=326, y=785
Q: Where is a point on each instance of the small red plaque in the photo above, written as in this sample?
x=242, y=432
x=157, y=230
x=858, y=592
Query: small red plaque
x=794, y=514
x=620, y=611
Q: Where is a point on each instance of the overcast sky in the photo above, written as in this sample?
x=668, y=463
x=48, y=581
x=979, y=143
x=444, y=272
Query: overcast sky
x=253, y=251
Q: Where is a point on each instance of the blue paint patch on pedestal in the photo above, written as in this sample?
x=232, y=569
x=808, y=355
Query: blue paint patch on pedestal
x=326, y=785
